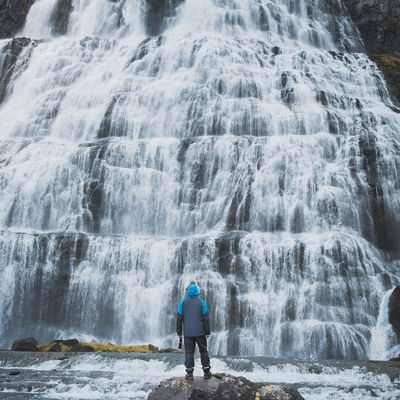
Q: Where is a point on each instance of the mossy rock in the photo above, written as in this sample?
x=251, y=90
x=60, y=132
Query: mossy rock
x=390, y=66
x=110, y=347
x=60, y=346
x=53, y=347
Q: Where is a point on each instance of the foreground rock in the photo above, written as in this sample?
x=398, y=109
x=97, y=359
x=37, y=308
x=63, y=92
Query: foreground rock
x=27, y=344
x=220, y=387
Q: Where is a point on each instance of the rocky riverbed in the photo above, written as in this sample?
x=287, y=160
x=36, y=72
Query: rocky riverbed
x=25, y=375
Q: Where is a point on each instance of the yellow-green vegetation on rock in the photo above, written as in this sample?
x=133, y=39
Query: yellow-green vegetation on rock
x=390, y=66
x=56, y=346
x=387, y=61
x=48, y=346
x=100, y=347
x=141, y=348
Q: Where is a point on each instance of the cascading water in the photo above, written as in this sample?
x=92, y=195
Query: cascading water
x=251, y=146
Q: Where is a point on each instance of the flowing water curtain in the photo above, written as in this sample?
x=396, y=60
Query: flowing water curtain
x=250, y=147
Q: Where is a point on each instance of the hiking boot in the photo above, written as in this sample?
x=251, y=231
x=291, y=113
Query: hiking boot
x=189, y=377
x=207, y=375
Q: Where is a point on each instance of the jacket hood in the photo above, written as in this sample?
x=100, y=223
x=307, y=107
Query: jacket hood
x=192, y=291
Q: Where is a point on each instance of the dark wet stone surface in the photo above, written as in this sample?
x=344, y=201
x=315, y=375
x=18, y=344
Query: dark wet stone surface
x=60, y=16
x=394, y=311
x=12, y=16
x=220, y=387
x=27, y=344
x=378, y=22
x=156, y=12
x=8, y=58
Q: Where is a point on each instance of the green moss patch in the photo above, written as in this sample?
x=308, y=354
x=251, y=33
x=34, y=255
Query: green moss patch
x=390, y=66
x=387, y=62
x=104, y=347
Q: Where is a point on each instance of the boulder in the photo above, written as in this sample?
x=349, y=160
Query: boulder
x=153, y=349
x=79, y=348
x=56, y=348
x=394, y=311
x=69, y=345
x=220, y=387
x=27, y=344
x=67, y=342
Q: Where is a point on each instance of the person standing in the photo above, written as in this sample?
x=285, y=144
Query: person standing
x=193, y=316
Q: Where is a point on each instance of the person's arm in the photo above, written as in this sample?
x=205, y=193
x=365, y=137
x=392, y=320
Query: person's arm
x=206, y=321
x=179, y=319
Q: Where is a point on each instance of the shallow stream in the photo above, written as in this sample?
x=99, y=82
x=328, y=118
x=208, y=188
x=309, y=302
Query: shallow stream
x=133, y=376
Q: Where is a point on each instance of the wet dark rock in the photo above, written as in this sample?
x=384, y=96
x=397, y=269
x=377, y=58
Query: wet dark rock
x=106, y=123
x=14, y=373
x=56, y=348
x=156, y=12
x=166, y=350
x=12, y=16
x=378, y=22
x=27, y=344
x=93, y=200
x=8, y=59
x=79, y=348
x=394, y=311
x=154, y=348
x=60, y=16
x=263, y=19
x=68, y=342
x=144, y=48
x=276, y=50
x=239, y=211
x=385, y=231
x=220, y=387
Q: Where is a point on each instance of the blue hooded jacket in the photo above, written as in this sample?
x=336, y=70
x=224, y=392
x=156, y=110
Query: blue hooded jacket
x=193, y=315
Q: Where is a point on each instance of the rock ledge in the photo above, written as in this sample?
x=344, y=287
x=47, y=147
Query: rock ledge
x=220, y=387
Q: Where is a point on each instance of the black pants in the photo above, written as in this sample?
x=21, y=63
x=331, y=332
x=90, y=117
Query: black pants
x=190, y=344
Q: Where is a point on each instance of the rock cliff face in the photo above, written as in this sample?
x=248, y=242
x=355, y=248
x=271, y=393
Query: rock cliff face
x=157, y=11
x=394, y=311
x=8, y=62
x=390, y=66
x=12, y=16
x=378, y=22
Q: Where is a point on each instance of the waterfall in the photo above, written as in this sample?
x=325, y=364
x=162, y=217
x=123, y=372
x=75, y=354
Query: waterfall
x=249, y=145
x=384, y=344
